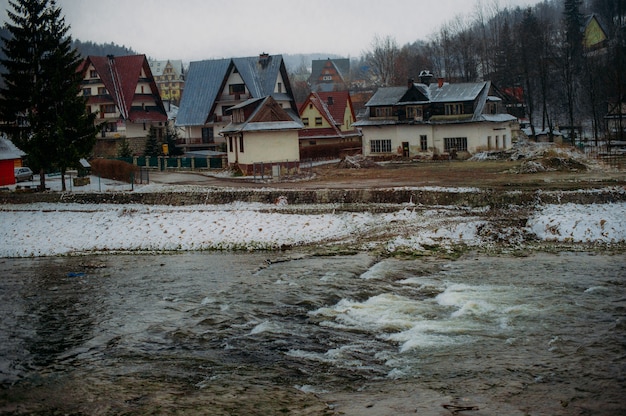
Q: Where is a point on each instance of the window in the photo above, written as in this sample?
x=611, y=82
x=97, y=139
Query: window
x=318, y=121
x=458, y=144
x=230, y=144
x=102, y=90
x=454, y=109
x=280, y=87
x=207, y=135
x=86, y=91
x=423, y=142
x=383, y=112
x=305, y=121
x=380, y=146
x=241, y=144
x=107, y=108
x=414, y=112
x=93, y=74
x=236, y=89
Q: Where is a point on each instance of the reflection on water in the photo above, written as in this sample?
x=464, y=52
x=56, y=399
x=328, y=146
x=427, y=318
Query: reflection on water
x=517, y=330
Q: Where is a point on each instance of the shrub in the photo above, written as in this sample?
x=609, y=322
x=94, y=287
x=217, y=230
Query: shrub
x=113, y=169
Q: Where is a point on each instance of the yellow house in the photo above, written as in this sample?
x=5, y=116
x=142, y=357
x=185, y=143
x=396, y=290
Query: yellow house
x=170, y=79
x=327, y=118
x=594, y=35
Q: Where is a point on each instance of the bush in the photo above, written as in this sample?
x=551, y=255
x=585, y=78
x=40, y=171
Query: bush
x=113, y=169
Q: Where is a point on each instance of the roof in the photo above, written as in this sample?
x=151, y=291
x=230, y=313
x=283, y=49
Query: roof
x=258, y=120
x=120, y=75
x=205, y=80
x=8, y=151
x=468, y=91
x=334, y=112
x=157, y=67
x=342, y=65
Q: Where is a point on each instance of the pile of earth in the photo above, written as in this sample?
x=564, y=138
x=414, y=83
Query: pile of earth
x=543, y=157
x=356, y=162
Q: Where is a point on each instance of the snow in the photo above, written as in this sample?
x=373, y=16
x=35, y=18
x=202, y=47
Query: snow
x=45, y=229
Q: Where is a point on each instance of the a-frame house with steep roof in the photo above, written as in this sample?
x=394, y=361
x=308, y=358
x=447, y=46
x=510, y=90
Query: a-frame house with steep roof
x=327, y=118
x=214, y=86
x=123, y=92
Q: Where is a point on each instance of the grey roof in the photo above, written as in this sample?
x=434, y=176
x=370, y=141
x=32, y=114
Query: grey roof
x=202, y=85
x=205, y=78
x=446, y=93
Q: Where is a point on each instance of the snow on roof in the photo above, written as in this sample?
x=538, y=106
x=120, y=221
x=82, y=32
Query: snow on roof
x=8, y=150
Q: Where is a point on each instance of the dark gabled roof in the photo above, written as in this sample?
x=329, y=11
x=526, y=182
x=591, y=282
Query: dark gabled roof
x=205, y=79
x=342, y=65
x=120, y=76
x=433, y=93
x=264, y=114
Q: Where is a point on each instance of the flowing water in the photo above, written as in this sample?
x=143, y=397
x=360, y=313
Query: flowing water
x=108, y=334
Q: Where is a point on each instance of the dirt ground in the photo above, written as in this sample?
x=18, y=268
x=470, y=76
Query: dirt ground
x=490, y=174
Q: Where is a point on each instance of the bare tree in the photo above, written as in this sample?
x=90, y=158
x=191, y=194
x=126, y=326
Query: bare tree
x=382, y=59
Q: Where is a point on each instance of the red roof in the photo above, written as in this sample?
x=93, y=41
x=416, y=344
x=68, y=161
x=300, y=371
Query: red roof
x=332, y=105
x=120, y=76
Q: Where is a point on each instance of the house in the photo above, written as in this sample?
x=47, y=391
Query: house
x=329, y=75
x=170, y=79
x=429, y=119
x=123, y=92
x=214, y=86
x=595, y=35
x=261, y=131
x=10, y=158
x=327, y=118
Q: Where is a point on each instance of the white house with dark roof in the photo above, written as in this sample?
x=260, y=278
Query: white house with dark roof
x=425, y=119
x=214, y=86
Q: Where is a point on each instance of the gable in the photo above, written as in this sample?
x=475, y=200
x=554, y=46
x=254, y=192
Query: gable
x=593, y=34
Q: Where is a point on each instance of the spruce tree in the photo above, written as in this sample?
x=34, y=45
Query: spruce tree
x=152, y=145
x=40, y=104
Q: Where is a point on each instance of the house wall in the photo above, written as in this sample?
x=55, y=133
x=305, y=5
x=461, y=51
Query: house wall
x=270, y=146
x=480, y=136
x=312, y=113
x=7, y=175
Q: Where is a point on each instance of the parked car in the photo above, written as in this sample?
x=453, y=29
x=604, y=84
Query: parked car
x=23, y=174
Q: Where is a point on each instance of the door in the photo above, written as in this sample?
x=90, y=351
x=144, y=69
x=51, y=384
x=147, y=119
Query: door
x=405, y=149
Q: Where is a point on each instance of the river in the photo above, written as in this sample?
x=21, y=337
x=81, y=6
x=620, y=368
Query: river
x=288, y=333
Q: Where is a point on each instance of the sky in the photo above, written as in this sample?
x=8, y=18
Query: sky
x=193, y=30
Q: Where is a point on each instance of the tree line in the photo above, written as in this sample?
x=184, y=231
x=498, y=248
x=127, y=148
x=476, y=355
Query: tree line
x=537, y=50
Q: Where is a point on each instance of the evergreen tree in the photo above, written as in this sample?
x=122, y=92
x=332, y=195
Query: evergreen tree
x=40, y=104
x=152, y=145
x=124, y=149
x=571, y=55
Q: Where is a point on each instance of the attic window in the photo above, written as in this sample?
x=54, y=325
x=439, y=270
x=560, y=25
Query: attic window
x=330, y=101
x=93, y=74
x=236, y=89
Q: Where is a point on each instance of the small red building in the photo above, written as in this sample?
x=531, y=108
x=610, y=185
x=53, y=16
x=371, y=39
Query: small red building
x=10, y=158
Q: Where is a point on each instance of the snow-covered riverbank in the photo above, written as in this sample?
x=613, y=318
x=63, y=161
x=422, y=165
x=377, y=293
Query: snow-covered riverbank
x=42, y=229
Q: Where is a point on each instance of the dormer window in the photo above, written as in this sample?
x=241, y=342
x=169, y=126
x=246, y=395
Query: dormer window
x=93, y=74
x=454, y=109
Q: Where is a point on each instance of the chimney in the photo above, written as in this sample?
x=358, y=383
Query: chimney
x=440, y=82
x=410, y=83
x=426, y=77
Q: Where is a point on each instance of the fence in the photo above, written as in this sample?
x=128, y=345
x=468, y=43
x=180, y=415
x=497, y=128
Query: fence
x=177, y=163
x=611, y=155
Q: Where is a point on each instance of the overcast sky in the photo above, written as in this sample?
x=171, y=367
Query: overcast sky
x=194, y=30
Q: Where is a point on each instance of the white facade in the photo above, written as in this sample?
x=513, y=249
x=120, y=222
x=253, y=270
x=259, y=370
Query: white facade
x=263, y=146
